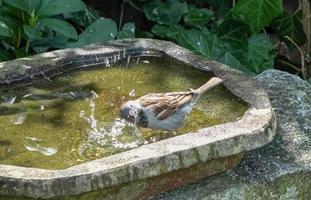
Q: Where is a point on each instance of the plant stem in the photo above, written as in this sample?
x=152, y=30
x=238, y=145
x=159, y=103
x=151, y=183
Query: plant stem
x=27, y=46
x=302, y=57
x=121, y=16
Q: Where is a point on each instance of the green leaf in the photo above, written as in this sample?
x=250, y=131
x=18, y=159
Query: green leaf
x=232, y=30
x=163, y=31
x=198, y=17
x=31, y=32
x=128, y=31
x=222, y=7
x=27, y=5
x=260, y=50
x=206, y=44
x=290, y=25
x=142, y=34
x=169, y=12
x=57, y=41
x=231, y=60
x=61, y=27
x=4, y=55
x=103, y=29
x=250, y=55
x=258, y=13
x=5, y=30
x=56, y=7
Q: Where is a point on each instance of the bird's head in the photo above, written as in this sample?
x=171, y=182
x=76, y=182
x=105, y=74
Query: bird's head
x=131, y=111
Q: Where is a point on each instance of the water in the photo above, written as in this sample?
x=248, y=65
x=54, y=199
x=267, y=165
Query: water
x=60, y=122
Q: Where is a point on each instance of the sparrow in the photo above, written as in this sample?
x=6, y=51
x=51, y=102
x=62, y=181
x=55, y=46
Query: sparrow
x=164, y=111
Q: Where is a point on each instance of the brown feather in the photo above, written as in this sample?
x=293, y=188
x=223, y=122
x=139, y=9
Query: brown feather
x=164, y=105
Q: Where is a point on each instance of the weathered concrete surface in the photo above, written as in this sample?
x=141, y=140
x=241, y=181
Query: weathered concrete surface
x=280, y=170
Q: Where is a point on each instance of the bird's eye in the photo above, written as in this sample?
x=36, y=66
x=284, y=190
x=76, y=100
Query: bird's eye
x=133, y=111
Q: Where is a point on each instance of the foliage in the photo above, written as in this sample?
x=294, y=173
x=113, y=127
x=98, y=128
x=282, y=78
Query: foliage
x=235, y=35
x=258, y=13
x=232, y=35
x=230, y=38
x=35, y=26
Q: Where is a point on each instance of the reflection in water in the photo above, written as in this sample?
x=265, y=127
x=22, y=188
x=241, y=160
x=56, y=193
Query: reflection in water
x=34, y=144
x=60, y=122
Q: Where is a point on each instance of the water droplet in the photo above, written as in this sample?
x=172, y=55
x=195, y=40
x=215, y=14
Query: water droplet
x=132, y=93
x=94, y=94
x=19, y=118
x=82, y=113
x=124, y=52
x=128, y=61
x=107, y=62
x=137, y=61
x=8, y=98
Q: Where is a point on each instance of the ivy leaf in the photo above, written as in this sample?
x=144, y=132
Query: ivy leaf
x=56, y=7
x=163, y=31
x=231, y=60
x=57, y=41
x=169, y=12
x=206, y=44
x=5, y=30
x=31, y=32
x=222, y=7
x=198, y=17
x=103, y=29
x=258, y=13
x=60, y=26
x=250, y=55
x=128, y=31
x=260, y=50
x=232, y=30
x=291, y=26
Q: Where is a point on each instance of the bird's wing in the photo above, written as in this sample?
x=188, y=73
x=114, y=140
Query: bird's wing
x=164, y=105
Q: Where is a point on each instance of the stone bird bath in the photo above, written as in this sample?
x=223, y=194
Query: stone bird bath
x=148, y=169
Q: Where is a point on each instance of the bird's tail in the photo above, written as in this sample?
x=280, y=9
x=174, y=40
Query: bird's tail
x=209, y=85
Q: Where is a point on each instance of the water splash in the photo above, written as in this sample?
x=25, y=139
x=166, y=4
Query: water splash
x=132, y=93
x=107, y=63
x=117, y=134
x=137, y=61
x=19, y=118
x=128, y=61
x=124, y=53
x=9, y=99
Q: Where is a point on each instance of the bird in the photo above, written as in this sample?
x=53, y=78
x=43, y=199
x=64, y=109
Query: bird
x=164, y=111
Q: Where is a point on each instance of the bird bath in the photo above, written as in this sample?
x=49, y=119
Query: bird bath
x=61, y=134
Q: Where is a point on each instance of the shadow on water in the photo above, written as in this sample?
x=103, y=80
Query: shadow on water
x=54, y=94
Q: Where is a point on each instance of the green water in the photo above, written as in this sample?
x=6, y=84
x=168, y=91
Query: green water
x=60, y=122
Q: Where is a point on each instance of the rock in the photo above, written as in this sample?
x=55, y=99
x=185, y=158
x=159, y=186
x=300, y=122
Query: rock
x=279, y=170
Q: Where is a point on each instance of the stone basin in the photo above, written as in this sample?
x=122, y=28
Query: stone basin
x=152, y=168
